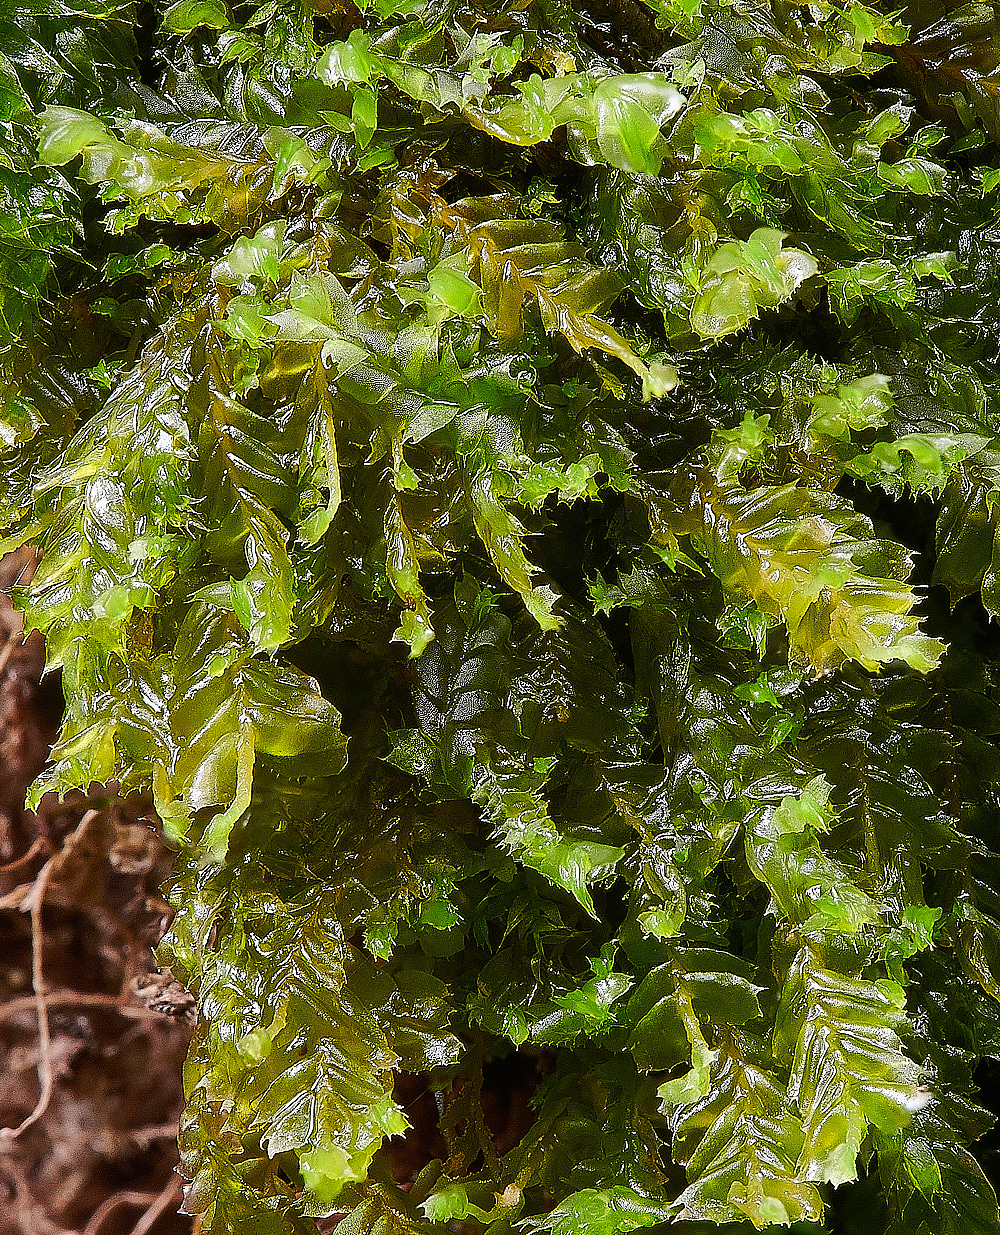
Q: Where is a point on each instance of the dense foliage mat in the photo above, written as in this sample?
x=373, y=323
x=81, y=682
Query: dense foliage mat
x=518, y=484
x=103, y=1032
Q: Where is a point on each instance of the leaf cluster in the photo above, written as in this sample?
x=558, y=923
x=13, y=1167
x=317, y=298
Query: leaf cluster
x=524, y=502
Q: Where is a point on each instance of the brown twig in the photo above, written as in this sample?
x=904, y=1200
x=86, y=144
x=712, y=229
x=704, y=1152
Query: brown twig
x=38, y=845
x=78, y=999
x=144, y=1137
x=33, y=902
x=30, y=1215
x=170, y=1193
x=46, y=1075
x=113, y=1202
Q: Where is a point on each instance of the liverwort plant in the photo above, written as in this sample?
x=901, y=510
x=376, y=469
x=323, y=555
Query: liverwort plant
x=517, y=485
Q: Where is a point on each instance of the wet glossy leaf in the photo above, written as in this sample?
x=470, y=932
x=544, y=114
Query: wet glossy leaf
x=805, y=559
x=844, y=1033
x=607, y=1211
x=741, y=279
x=740, y=1145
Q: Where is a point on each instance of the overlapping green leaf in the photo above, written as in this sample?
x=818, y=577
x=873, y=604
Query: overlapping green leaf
x=740, y=1143
x=806, y=559
x=848, y=1068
